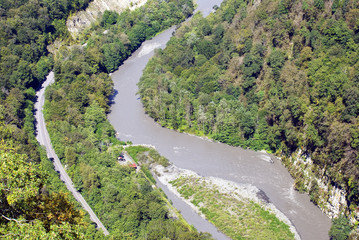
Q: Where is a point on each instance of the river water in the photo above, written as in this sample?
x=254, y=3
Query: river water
x=205, y=157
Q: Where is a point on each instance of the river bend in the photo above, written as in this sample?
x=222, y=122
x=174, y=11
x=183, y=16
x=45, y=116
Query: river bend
x=205, y=157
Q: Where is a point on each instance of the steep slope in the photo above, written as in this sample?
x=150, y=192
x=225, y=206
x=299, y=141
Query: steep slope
x=275, y=75
x=85, y=142
x=83, y=19
x=34, y=202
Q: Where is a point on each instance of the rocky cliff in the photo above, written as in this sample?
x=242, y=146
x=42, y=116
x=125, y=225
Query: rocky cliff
x=84, y=19
x=330, y=198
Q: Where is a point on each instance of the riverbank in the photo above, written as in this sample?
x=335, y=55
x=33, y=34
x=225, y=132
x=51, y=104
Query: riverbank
x=238, y=210
x=205, y=157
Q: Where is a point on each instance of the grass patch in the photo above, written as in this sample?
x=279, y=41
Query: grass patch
x=238, y=218
x=148, y=174
x=134, y=150
x=147, y=155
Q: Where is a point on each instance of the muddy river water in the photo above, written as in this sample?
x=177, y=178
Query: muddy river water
x=205, y=157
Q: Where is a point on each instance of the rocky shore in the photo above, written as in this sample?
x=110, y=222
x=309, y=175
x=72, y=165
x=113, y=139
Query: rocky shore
x=166, y=175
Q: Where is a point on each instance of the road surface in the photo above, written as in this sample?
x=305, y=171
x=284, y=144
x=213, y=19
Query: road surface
x=43, y=138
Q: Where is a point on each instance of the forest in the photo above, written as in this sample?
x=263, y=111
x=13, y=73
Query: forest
x=280, y=76
x=84, y=140
x=34, y=202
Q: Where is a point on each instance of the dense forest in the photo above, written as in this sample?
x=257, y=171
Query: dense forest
x=276, y=75
x=34, y=202
x=26, y=28
x=110, y=41
x=84, y=140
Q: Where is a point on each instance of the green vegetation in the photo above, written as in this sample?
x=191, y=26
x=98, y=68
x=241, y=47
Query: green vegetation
x=29, y=209
x=281, y=76
x=135, y=150
x=147, y=155
x=34, y=204
x=26, y=28
x=110, y=41
x=237, y=217
x=123, y=199
x=340, y=229
x=148, y=158
x=75, y=112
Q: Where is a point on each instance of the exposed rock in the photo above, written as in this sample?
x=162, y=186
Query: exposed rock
x=238, y=191
x=95, y=9
x=336, y=202
x=255, y=5
x=332, y=199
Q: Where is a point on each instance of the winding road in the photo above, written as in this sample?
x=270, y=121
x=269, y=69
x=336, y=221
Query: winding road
x=43, y=138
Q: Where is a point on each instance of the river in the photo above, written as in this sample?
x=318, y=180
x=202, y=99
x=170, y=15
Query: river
x=205, y=157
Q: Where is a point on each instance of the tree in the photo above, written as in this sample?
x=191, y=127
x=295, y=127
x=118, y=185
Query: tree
x=109, y=18
x=94, y=115
x=19, y=179
x=319, y=4
x=218, y=34
x=89, y=176
x=206, y=48
x=276, y=62
x=114, y=54
x=14, y=107
x=70, y=156
x=340, y=229
x=35, y=230
x=43, y=67
x=22, y=77
x=27, y=210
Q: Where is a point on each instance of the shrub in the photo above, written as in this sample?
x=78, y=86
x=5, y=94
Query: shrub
x=340, y=229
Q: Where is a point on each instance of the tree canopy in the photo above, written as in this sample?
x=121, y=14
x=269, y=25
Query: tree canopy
x=279, y=76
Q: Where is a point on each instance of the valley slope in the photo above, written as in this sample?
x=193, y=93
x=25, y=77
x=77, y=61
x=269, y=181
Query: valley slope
x=275, y=75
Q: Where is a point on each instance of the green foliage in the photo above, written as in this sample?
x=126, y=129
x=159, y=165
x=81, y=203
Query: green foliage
x=35, y=230
x=113, y=55
x=128, y=204
x=283, y=6
x=94, y=115
x=109, y=18
x=75, y=113
x=17, y=122
x=85, y=141
x=340, y=229
x=234, y=215
x=60, y=28
x=118, y=36
x=23, y=180
x=146, y=155
x=148, y=174
x=289, y=85
x=27, y=209
x=276, y=62
x=26, y=28
x=319, y=4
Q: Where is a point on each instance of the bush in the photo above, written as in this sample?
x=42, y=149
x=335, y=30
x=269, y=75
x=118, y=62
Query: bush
x=340, y=229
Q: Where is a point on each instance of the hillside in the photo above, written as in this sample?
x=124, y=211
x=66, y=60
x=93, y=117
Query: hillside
x=83, y=19
x=85, y=142
x=275, y=75
x=34, y=202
